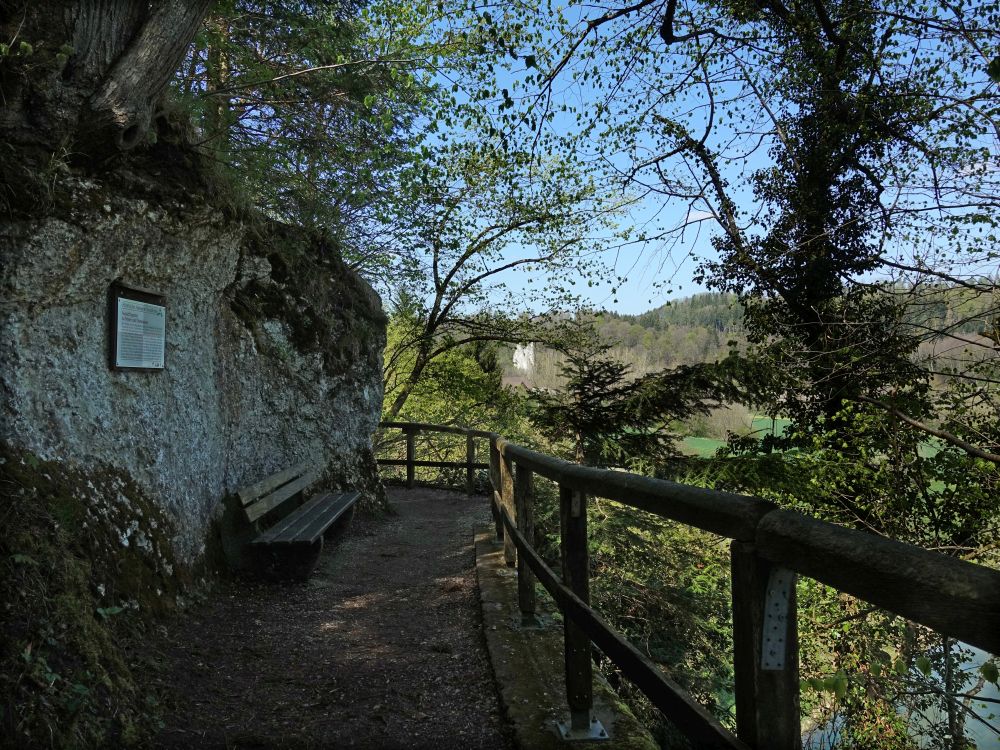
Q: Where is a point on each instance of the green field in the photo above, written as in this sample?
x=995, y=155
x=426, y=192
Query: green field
x=701, y=446
x=706, y=446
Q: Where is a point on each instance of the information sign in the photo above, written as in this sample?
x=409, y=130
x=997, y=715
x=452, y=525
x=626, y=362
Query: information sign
x=138, y=329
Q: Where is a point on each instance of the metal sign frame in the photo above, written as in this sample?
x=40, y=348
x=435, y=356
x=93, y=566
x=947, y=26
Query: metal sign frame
x=118, y=291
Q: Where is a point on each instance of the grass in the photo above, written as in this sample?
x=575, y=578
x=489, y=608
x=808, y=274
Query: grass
x=705, y=447
x=701, y=446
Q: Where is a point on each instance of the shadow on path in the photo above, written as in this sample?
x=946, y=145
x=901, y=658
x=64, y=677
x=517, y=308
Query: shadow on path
x=381, y=648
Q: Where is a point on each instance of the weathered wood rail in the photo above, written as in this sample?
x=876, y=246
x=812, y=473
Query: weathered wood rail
x=412, y=429
x=770, y=547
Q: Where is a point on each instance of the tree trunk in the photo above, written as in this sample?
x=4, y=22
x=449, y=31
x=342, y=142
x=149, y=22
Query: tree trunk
x=96, y=72
x=219, y=113
x=121, y=110
x=421, y=361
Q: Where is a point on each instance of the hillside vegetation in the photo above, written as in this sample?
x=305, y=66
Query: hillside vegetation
x=953, y=323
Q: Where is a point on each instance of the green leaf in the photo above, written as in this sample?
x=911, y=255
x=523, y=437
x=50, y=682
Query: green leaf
x=107, y=612
x=529, y=61
x=924, y=665
x=370, y=101
x=989, y=672
x=24, y=560
x=993, y=69
x=840, y=686
x=25, y=49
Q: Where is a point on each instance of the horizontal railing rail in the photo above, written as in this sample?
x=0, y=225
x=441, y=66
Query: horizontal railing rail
x=954, y=597
x=662, y=692
x=411, y=429
x=770, y=547
x=422, y=427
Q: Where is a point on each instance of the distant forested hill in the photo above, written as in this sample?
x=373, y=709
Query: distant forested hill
x=719, y=310
x=694, y=329
x=700, y=329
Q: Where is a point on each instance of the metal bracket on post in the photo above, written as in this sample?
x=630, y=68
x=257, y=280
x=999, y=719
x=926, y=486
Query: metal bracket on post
x=576, y=730
x=531, y=622
x=780, y=584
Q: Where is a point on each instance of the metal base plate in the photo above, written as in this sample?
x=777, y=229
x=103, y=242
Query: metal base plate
x=595, y=733
x=538, y=622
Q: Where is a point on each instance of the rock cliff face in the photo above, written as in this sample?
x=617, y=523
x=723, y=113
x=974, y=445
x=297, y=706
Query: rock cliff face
x=273, y=351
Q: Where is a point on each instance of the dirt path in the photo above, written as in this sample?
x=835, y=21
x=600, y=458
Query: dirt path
x=382, y=648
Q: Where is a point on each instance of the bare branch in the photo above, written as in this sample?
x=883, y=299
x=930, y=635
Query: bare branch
x=948, y=437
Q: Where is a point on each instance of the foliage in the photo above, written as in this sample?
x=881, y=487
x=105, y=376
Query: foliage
x=490, y=215
x=613, y=420
x=460, y=387
x=315, y=105
x=860, y=666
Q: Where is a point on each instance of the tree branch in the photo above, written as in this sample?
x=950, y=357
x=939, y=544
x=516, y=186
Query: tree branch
x=972, y=450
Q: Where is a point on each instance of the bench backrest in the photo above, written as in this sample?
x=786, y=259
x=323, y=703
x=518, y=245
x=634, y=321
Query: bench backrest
x=258, y=499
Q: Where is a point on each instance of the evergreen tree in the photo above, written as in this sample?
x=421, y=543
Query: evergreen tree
x=614, y=420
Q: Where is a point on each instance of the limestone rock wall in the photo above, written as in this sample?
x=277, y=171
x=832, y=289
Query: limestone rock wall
x=273, y=351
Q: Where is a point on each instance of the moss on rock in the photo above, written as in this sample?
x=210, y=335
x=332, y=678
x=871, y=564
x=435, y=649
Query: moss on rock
x=85, y=567
x=327, y=308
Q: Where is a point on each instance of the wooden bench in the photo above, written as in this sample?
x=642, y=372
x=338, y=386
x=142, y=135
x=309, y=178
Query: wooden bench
x=292, y=542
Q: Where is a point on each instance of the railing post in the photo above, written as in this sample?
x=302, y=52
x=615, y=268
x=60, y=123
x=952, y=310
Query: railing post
x=411, y=453
x=507, y=501
x=576, y=576
x=495, y=483
x=470, y=460
x=524, y=499
x=765, y=652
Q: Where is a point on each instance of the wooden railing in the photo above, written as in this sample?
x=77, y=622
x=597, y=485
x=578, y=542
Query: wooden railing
x=412, y=429
x=770, y=546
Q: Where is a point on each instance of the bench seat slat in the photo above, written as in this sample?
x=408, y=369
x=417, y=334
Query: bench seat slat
x=307, y=523
x=279, y=496
x=248, y=494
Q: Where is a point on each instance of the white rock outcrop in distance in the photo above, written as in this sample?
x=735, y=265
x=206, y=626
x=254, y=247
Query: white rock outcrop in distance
x=524, y=358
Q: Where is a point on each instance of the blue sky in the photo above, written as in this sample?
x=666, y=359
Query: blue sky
x=641, y=275
x=644, y=275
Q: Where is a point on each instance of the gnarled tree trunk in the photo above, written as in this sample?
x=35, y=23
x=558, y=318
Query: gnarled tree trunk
x=90, y=73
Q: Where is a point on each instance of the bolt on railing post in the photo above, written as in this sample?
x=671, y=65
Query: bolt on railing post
x=495, y=483
x=507, y=501
x=524, y=498
x=576, y=576
x=470, y=460
x=765, y=651
x=411, y=453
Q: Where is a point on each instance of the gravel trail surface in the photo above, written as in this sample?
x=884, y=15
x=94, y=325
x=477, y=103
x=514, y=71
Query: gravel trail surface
x=381, y=648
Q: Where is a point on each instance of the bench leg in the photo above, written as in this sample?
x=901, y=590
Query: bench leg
x=291, y=562
x=339, y=527
x=303, y=559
